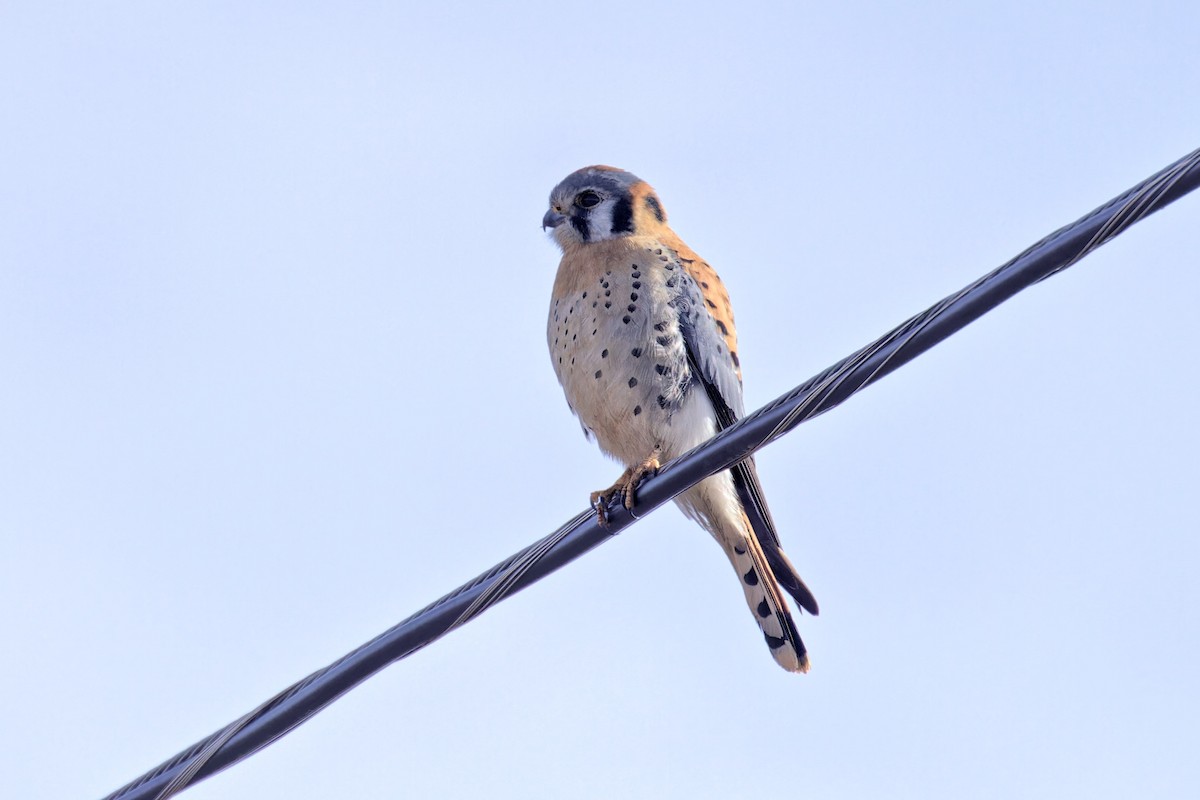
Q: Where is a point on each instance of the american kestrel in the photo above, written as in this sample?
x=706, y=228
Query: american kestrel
x=641, y=337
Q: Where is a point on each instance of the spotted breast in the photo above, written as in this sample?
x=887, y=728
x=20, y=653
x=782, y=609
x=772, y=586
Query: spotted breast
x=641, y=337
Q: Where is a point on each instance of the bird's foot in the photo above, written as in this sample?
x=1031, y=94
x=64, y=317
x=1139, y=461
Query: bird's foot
x=635, y=475
x=602, y=498
x=625, y=486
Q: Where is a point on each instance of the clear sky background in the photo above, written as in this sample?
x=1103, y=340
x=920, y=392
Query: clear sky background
x=272, y=308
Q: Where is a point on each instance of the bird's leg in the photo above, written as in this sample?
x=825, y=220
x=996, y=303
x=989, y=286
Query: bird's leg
x=635, y=475
x=602, y=498
x=626, y=485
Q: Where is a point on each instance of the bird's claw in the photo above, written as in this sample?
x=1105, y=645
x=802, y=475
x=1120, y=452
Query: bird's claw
x=625, y=486
x=600, y=500
x=635, y=476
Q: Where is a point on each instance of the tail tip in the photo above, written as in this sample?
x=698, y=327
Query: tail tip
x=793, y=660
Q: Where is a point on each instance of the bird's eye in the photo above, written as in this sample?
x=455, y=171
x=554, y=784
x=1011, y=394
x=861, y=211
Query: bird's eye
x=588, y=199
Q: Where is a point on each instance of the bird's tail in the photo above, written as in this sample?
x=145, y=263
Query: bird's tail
x=766, y=600
x=712, y=506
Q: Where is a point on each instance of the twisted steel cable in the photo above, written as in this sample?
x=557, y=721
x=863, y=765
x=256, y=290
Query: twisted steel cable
x=291, y=707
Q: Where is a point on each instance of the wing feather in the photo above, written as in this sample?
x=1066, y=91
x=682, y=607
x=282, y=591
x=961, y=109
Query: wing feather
x=714, y=368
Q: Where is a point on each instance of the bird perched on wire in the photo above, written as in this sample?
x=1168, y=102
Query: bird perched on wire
x=642, y=340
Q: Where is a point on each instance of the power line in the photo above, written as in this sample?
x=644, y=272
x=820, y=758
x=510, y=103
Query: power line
x=291, y=707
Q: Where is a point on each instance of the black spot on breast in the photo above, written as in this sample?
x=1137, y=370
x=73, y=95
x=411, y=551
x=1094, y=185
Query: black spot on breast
x=636, y=274
x=632, y=307
x=604, y=353
x=763, y=609
x=660, y=326
x=637, y=410
x=632, y=382
x=637, y=284
x=672, y=281
x=627, y=318
x=751, y=578
x=655, y=207
x=608, y=303
x=636, y=352
x=633, y=295
x=599, y=373
x=661, y=369
x=663, y=340
x=622, y=215
x=662, y=401
x=608, y=292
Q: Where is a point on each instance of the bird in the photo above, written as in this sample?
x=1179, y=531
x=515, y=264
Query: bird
x=641, y=337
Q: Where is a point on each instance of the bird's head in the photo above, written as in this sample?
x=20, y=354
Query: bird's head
x=596, y=204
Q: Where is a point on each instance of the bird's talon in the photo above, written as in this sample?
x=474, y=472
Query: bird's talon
x=630, y=498
x=599, y=501
x=635, y=475
x=602, y=499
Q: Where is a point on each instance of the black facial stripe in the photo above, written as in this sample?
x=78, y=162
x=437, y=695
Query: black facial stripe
x=654, y=206
x=622, y=215
x=580, y=224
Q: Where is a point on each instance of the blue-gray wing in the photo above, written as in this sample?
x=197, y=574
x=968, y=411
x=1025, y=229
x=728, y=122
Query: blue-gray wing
x=708, y=352
x=712, y=364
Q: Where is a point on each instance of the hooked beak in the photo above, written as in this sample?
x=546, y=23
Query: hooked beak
x=552, y=219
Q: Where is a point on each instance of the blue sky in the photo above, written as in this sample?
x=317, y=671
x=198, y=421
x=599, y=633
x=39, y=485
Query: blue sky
x=272, y=306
